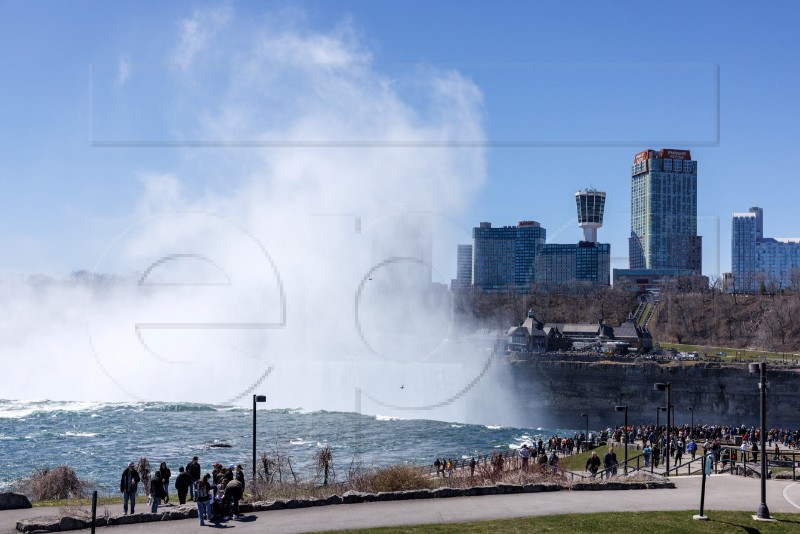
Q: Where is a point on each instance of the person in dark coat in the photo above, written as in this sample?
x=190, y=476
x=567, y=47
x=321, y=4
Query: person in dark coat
x=156, y=491
x=165, y=476
x=127, y=486
x=193, y=468
x=593, y=464
x=240, y=474
x=182, y=483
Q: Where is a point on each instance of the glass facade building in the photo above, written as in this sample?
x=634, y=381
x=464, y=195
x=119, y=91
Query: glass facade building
x=463, y=267
x=587, y=262
x=504, y=258
x=761, y=263
x=664, y=212
x=515, y=257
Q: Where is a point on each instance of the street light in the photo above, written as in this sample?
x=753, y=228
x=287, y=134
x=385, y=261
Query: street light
x=761, y=369
x=586, y=415
x=625, y=409
x=691, y=427
x=661, y=386
x=256, y=398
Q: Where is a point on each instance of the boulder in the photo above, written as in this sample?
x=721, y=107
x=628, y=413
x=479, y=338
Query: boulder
x=353, y=497
x=13, y=501
x=71, y=523
x=443, y=493
x=38, y=524
x=333, y=499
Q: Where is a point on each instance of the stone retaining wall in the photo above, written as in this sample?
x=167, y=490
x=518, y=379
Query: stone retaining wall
x=189, y=511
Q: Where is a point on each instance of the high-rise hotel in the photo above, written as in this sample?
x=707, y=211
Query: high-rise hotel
x=761, y=263
x=663, y=241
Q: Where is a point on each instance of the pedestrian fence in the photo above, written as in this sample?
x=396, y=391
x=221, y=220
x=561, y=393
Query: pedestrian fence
x=731, y=460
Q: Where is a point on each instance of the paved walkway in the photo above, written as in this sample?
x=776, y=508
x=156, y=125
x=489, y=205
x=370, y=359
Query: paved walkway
x=723, y=492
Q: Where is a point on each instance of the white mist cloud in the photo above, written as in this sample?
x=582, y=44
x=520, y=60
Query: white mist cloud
x=259, y=284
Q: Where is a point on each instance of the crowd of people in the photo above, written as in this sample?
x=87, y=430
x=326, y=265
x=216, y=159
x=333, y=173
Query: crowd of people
x=217, y=494
x=685, y=443
x=542, y=453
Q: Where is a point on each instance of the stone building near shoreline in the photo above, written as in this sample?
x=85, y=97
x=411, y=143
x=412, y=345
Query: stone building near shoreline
x=534, y=336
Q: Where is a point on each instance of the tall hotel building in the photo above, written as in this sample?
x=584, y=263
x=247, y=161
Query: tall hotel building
x=663, y=241
x=758, y=262
x=664, y=212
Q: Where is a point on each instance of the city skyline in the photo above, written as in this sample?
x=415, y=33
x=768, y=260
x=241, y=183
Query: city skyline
x=564, y=101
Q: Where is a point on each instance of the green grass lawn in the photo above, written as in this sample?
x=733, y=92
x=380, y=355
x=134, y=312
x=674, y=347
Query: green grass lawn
x=615, y=522
x=577, y=462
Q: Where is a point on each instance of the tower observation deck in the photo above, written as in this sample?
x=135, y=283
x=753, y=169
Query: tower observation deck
x=591, y=204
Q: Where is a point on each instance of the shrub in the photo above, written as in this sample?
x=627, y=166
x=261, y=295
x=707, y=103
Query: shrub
x=399, y=478
x=57, y=483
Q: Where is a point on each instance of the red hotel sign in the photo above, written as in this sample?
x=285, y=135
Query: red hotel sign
x=640, y=157
x=674, y=154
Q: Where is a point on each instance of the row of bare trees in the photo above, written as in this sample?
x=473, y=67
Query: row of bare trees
x=769, y=322
x=564, y=304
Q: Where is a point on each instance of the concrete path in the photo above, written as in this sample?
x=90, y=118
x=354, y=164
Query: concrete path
x=723, y=492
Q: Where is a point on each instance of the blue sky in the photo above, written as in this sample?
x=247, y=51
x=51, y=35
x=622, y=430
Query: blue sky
x=582, y=86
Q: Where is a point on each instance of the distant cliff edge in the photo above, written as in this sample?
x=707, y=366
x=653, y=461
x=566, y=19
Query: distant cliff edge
x=558, y=388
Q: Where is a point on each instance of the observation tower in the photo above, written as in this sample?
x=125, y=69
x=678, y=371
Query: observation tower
x=591, y=204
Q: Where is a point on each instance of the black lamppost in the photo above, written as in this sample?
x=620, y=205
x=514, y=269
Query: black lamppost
x=691, y=428
x=658, y=410
x=661, y=386
x=761, y=369
x=625, y=409
x=256, y=398
x=586, y=415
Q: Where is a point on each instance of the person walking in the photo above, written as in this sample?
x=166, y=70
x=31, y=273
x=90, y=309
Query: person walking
x=127, y=486
x=165, y=476
x=691, y=447
x=593, y=464
x=202, y=495
x=610, y=462
x=182, y=483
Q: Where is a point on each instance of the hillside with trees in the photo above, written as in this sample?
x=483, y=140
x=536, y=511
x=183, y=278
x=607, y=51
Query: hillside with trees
x=580, y=303
x=684, y=314
x=768, y=322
